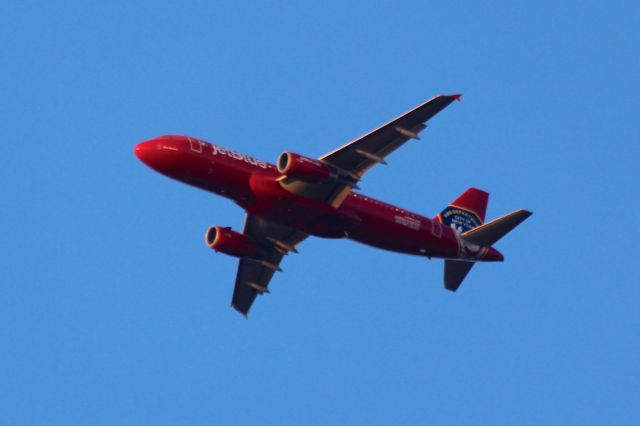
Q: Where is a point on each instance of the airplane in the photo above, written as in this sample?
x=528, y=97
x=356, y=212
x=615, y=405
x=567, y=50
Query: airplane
x=301, y=196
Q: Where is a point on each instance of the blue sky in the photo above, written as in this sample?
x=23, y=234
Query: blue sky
x=113, y=311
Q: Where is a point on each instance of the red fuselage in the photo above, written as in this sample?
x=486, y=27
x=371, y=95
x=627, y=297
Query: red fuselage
x=253, y=184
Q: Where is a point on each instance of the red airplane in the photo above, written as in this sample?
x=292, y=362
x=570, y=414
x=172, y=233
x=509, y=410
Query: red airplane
x=301, y=196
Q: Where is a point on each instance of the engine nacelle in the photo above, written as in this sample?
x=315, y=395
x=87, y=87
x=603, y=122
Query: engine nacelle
x=230, y=242
x=304, y=168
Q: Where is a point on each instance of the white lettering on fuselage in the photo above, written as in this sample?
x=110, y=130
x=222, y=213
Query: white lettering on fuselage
x=219, y=150
x=408, y=221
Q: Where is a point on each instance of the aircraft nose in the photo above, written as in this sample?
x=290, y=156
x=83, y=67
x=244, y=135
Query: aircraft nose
x=163, y=154
x=145, y=150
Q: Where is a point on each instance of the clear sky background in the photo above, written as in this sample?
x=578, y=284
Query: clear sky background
x=113, y=311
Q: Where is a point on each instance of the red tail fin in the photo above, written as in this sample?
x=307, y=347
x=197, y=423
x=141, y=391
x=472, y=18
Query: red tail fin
x=467, y=211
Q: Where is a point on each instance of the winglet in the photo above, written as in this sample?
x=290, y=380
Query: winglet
x=457, y=96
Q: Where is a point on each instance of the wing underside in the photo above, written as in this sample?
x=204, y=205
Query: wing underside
x=355, y=158
x=254, y=275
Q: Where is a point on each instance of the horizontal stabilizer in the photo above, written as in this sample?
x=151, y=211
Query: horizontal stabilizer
x=454, y=273
x=486, y=235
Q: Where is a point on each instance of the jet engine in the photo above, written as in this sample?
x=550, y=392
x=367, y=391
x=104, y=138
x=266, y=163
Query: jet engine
x=230, y=242
x=304, y=168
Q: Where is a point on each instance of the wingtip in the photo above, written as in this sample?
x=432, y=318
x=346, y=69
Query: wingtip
x=244, y=314
x=448, y=288
x=457, y=96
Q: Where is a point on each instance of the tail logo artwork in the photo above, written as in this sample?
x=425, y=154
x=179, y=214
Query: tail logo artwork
x=460, y=220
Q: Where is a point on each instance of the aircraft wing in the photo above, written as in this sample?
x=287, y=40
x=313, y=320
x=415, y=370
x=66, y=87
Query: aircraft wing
x=253, y=276
x=355, y=158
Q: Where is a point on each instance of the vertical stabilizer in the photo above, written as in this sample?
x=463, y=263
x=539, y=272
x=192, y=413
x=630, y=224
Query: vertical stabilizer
x=465, y=212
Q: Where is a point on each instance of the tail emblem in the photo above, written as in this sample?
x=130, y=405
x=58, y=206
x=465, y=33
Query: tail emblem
x=460, y=220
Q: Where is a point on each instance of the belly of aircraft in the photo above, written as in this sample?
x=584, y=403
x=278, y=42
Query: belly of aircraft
x=326, y=223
